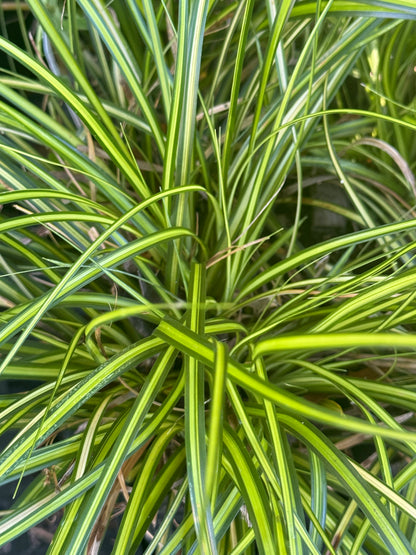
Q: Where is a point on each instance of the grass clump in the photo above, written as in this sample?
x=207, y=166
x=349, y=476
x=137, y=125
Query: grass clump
x=207, y=265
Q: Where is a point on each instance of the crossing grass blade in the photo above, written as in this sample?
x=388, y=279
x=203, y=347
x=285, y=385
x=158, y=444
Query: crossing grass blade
x=196, y=457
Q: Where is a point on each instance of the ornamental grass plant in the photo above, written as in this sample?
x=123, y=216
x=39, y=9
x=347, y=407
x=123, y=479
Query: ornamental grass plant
x=207, y=258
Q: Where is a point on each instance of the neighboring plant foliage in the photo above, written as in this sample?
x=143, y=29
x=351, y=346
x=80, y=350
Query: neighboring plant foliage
x=207, y=268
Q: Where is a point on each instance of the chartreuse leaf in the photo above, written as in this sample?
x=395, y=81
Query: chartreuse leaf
x=196, y=458
x=375, y=8
x=175, y=334
x=216, y=422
